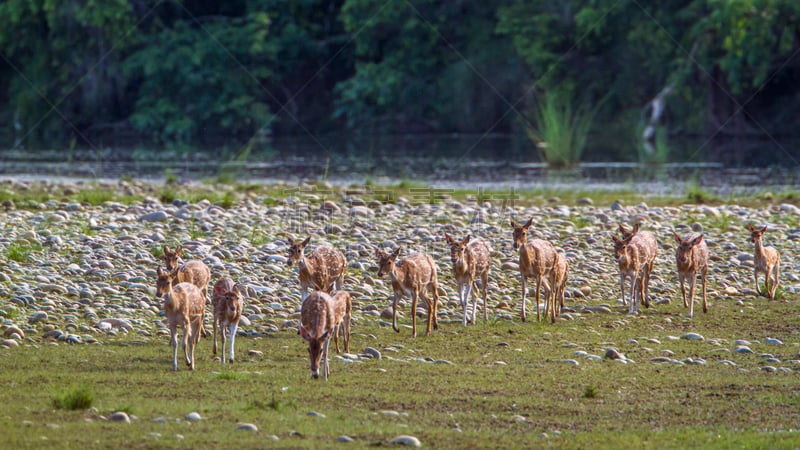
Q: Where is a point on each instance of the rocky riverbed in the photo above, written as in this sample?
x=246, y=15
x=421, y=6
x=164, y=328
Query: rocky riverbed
x=82, y=273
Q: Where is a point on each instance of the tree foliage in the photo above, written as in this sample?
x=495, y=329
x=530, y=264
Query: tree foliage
x=203, y=71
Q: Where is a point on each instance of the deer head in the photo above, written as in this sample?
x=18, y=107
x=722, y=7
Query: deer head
x=164, y=281
x=456, y=247
x=296, y=250
x=171, y=257
x=685, y=246
x=386, y=261
x=315, y=347
x=755, y=233
x=521, y=233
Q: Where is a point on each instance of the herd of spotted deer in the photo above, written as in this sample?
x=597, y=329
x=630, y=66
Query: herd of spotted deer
x=326, y=311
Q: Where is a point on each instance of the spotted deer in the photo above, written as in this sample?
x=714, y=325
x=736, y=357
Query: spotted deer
x=558, y=282
x=194, y=271
x=472, y=261
x=536, y=260
x=342, y=308
x=691, y=256
x=767, y=261
x=635, y=253
x=415, y=276
x=317, y=321
x=183, y=307
x=323, y=270
x=228, y=303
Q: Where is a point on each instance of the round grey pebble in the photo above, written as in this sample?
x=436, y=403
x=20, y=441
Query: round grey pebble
x=372, y=353
x=120, y=416
x=193, y=416
x=410, y=441
x=693, y=337
x=246, y=427
x=344, y=438
x=315, y=414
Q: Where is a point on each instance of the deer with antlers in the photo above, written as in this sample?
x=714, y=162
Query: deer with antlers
x=767, y=261
x=536, y=260
x=228, y=303
x=415, y=276
x=472, y=261
x=323, y=270
x=183, y=307
x=691, y=256
x=317, y=322
x=635, y=252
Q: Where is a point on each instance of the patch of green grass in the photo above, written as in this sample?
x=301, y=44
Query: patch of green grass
x=721, y=222
x=167, y=194
x=194, y=231
x=590, y=391
x=74, y=398
x=169, y=177
x=157, y=250
x=95, y=195
x=21, y=250
x=230, y=376
x=696, y=194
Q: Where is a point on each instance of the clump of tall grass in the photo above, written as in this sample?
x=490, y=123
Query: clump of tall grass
x=561, y=128
x=74, y=398
x=21, y=250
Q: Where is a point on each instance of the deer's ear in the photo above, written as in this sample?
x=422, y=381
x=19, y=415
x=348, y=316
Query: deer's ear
x=513, y=224
x=396, y=252
x=466, y=240
x=179, y=250
x=235, y=290
x=622, y=228
x=764, y=230
x=303, y=332
x=697, y=240
x=166, y=250
x=378, y=253
x=636, y=227
x=528, y=223
x=676, y=237
x=447, y=238
x=159, y=272
x=305, y=242
x=290, y=240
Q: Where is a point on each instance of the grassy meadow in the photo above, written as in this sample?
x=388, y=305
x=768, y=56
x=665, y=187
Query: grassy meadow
x=684, y=383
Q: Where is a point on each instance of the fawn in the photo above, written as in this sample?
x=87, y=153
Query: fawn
x=342, y=308
x=183, y=307
x=635, y=253
x=767, y=261
x=472, y=261
x=414, y=276
x=317, y=321
x=536, y=259
x=692, y=258
x=194, y=271
x=558, y=283
x=323, y=270
x=228, y=303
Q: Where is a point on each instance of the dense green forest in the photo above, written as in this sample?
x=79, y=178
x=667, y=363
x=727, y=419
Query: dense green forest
x=638, y=75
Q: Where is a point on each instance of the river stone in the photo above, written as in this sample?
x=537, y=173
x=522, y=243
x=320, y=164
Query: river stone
x=344, y=438
x=693, y=337
x=9, y=343
x=120, y=416
x=742, y=349
x=410, y=441
x=193, y=416
x=156, y=216
x=773, y=341
x=39, y=316
x=246, y=427
x=13, y=329
x=372, y=353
